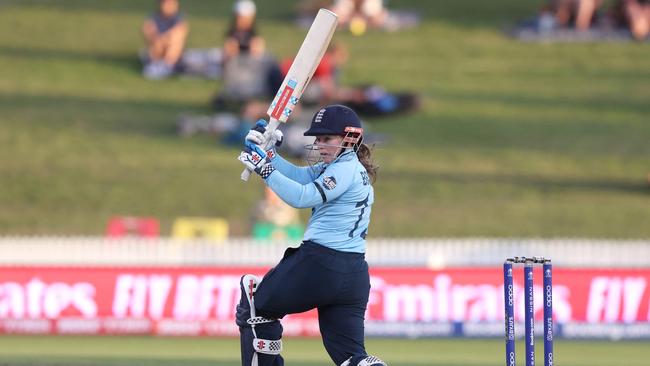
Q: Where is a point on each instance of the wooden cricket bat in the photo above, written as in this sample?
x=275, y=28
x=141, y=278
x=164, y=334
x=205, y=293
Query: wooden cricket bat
x=303, y=67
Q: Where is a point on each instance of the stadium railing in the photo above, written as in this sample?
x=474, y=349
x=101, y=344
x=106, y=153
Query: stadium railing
x=431, y=253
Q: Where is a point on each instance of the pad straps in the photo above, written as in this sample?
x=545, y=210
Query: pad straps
x=259, y=320
x=269, y=347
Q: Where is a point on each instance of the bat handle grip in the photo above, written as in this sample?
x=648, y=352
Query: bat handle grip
x=245, y=175
x=273, y=125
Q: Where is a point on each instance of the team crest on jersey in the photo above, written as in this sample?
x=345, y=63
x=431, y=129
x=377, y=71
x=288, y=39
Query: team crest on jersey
x=329, y=183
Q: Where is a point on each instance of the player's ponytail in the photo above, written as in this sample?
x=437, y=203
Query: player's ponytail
x=364, y=152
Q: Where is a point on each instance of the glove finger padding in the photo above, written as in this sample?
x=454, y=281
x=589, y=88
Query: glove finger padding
x=260, y=125
x=255, y=137
x=256, y=134
x=257, y=154
x=278, y=137
x=256, y=159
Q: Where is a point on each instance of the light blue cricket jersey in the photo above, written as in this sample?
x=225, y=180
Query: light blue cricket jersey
x=340, y=197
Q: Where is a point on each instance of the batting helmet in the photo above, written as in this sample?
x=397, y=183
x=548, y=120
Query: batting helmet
x=333, y=120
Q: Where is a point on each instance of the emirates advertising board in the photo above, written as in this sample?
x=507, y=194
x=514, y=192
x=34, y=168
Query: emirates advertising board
x=404, y=302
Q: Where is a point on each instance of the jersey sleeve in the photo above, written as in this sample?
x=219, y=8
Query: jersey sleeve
x=335, y=180
x=294, y=193
x=301, y=175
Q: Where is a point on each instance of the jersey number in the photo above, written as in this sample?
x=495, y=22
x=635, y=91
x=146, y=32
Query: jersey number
x=363, y=204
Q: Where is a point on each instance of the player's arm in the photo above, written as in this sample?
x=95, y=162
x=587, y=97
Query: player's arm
x=328, y=186
x=335, y=180
x=295, y=194
x=302, y=175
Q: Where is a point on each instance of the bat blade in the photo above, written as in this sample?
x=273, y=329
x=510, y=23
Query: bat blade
x=304, y=64
x=302, y=69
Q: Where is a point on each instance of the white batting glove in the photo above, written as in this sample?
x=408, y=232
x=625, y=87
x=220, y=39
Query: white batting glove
x=257, y=160
x=276, y=138
x=256, y=135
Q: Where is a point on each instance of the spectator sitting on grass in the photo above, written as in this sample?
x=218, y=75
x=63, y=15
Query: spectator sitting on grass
x=360, y=14
x=367, y=99
x=165, y=33
x=242, y=37
x=575, y=13
x=324, y=86
x=637, y=17
x=250, y=75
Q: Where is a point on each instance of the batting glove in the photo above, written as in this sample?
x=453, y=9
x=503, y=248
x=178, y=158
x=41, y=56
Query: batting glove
x=257, y=160
x=256, y=135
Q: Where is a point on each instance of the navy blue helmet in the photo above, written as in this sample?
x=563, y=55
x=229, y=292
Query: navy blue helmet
x=333, y=120
x=339, y=120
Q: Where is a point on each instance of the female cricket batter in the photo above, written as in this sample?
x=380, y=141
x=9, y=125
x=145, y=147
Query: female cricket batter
x=328, y=271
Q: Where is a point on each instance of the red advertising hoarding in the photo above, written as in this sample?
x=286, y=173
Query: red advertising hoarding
x=403, y=301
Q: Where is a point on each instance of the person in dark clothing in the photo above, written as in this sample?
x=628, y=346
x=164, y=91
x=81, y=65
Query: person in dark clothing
x=251, y=76
x=165, y=33
x=242, y=37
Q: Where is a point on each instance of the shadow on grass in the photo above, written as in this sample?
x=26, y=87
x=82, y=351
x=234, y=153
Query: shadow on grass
x=592, y=103
x=193, y=8
x=55, y=361
x=638, y=187
x=87, y=361
x=126, y=61
x=81, y=361
x=466, y=13
x=128, y=116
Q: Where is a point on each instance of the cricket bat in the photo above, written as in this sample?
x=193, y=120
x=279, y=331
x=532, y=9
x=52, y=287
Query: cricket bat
x=303, y=67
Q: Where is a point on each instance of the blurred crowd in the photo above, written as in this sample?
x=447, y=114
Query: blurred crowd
x=584, y=15
x=250, y=74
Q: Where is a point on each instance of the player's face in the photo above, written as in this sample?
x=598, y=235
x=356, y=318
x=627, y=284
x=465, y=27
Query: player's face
x=328, y=147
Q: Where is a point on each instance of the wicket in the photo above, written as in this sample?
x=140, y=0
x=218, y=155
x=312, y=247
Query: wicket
x=529, y=312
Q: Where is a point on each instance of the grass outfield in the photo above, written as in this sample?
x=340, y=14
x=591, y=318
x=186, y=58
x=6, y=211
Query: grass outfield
x=127, y=351
x=514, y=139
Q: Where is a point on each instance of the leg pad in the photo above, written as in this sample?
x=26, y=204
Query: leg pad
x=268, y=347
x=260, y=337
